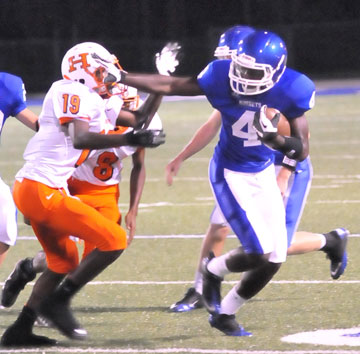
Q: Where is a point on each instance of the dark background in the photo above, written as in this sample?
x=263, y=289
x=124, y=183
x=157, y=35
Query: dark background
x=322, y=36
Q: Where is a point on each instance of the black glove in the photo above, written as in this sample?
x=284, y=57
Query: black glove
x=146, y=138
x=265, y=128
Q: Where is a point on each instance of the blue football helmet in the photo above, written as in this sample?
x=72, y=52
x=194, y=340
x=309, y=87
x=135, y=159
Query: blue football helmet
x=258, y=63
x=229, y=41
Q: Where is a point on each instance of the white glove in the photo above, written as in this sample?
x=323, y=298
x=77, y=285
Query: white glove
x=166, y=61
x=266, y=128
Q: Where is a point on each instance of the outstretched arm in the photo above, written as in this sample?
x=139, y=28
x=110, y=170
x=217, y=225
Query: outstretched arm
x=163, y=85
x=202, y=137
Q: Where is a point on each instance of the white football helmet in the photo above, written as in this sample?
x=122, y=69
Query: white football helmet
x=92, y=65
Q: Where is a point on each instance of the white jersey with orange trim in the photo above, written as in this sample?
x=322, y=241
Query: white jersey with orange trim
x=50, y=156
x=113, y=106
x=103, y=167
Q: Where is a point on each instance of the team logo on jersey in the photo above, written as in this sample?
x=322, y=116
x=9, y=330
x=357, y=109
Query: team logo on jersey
x=82, y=61
x=246, y=103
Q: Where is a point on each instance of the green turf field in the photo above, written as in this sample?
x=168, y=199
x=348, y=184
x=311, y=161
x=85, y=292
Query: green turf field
x=126, y=309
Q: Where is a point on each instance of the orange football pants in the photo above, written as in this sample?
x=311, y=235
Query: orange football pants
x=102, y=198
x=54, y=216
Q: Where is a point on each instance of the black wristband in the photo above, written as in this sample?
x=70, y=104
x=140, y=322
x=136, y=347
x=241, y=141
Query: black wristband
x=292, y=147
x=290, y=164
x=37, y=126
x=122, y=76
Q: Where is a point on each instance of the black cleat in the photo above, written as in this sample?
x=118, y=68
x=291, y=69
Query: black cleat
x=228, y=325
x=191, y=301
x=337, y=251
x=211, y=288
x=16, y=336
x=19, y=277
x=59, y=315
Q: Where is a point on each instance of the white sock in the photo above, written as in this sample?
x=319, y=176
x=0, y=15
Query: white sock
x=39, y=262
x=198, y=282
x=232, y=302
x=218, y=266
x=323, y=240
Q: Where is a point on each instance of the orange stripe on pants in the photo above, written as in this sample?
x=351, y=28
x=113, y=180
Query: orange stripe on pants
x=54, y=216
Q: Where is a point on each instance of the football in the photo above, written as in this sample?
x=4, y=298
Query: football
x=283, y=126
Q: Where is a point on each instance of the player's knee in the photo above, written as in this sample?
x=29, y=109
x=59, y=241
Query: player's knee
x=257, y=260
x=114, y=241
x=237, y=260
x=219, y=233
x=271, y=268
x=112, y=256
x=3, y=247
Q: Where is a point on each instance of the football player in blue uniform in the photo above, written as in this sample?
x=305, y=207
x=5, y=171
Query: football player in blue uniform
x=241, y=171
x=12, y=104
x=294, y=183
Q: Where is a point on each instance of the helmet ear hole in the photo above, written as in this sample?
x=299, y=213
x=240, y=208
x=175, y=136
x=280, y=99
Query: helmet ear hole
x=109, y=79
x=99, y=74
x=82, y=81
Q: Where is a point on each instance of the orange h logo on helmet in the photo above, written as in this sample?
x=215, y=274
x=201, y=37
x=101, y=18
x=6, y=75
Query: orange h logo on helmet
x=82, y=61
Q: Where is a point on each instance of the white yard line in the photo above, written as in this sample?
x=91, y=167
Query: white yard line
x=184, y=282
x=171, y=350
x=33, y=238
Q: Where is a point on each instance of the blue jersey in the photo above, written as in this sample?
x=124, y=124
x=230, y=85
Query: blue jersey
x=239, y=147
x=12, y=96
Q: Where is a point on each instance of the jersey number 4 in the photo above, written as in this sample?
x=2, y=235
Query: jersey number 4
x=243, y=128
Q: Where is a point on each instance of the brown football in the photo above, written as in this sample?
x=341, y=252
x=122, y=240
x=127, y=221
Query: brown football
x=283, y=126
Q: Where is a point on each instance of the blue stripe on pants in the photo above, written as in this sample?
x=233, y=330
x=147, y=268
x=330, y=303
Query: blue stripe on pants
x=232, y=211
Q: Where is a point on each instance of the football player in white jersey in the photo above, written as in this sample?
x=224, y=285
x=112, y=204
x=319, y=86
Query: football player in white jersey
x=96, y=183
x=72, y=119
x=96, y=180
